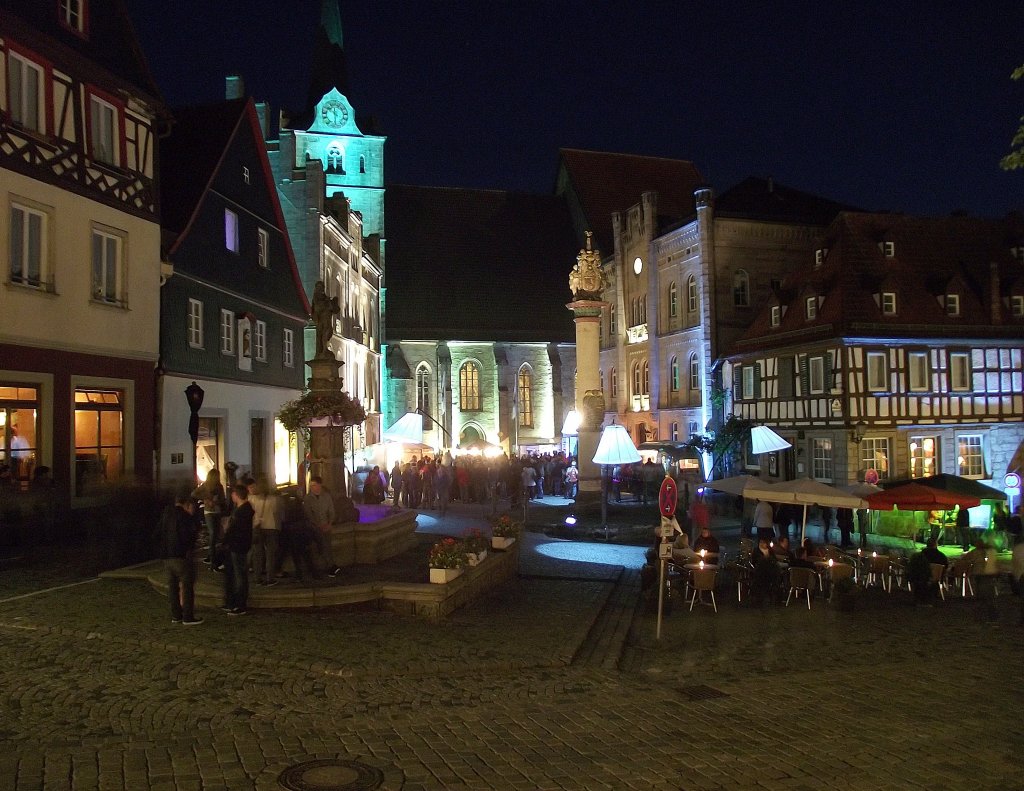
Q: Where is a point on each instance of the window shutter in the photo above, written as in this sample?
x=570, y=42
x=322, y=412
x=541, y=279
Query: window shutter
x=830, y=377
x=757, y=379
x=737, y=382
x=805, y=377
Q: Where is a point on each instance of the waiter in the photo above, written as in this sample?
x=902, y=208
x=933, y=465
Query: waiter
x=764, y=520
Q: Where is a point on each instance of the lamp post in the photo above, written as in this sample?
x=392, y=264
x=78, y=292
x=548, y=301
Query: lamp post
x=615, y=447
x=194, y=394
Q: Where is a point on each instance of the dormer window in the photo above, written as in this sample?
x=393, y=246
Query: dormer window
x=1018, y=253
x=72, y=14
x=811, y=308
x=952, y=304
x=776, y=315
x=888, y=303
x=888, y=249
x=1017, y=307
x=819, y=256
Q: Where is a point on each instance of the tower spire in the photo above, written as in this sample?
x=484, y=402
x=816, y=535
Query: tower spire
x=329, y=66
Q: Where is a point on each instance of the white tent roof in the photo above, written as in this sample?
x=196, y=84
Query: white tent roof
x=408, y=429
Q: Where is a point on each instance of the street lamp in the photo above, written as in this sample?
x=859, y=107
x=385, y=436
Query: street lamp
x=615, y=447
x=857, y=432
x=194, y=395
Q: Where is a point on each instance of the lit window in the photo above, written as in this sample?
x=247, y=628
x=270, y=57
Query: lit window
x=107, y=263
x=227, y=332
x=970, y=459
x=924, y=456
x=952, y=304
x=959, y=371
x=888, y=249
x=691, y=294
x=673, y=300
x=525, y=397
x=99, y=439
x=259, y=341
x=289, y=348
x=889, y=303
x=611, y=321
x=741, y=289
x=103, y=127
x=231, y=230
x=874, y=455
x=1017, y=307
x=694, y=428
x=821, y=459
x=28, y=247
x=613, y=383
x=636, y=379
x=262, y=248
x=694, y=374
x=816, y=371
x=673, y=432
x=195, y=324
x=812, y=308
x=423, y=389
x=776, y=315
x=878, y=378
x=19, y=428
x=819, y=256
x=748, y=381
x=469, y=388
x=647, y=378
x=674, y=375
x=24, y=85
x=72, y=14
x=918, y=363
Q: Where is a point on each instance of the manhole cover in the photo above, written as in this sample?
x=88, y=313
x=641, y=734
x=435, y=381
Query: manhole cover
x=701, y=692
x=331, y=775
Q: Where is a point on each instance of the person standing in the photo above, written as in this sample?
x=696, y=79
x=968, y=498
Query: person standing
x=844, y=518
x=211, y=494
x=179, y=528
x=764, y=520
x=237, y=543
x=318, y=506
x=396, y=482
x=963, y=527
x=443, y=486
x=266, y=505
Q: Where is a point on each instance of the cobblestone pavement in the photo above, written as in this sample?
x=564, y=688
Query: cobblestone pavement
x=99, y=690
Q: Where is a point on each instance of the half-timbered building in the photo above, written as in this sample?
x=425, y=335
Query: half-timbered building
x=80, y=231
x=895, y=351
x=232, y=307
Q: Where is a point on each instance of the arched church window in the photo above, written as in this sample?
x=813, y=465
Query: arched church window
x=469, y=387
x=335, y=163
x=423, y=388
x=362, y=164
x=525, y=404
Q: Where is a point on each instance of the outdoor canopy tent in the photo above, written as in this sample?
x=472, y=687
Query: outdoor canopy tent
x=408, y=429
x=915, y=497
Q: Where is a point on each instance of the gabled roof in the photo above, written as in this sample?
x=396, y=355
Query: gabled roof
x=757, y=198
x=191, y=159
x=605, y=182
x=471, y=264
x=109, y=50
x=929, y=253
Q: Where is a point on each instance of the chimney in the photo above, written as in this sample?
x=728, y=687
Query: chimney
x=234, y=87
x=997, y=314
x=263, y=114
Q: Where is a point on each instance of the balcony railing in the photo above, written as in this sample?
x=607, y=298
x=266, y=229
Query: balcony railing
x=637, y=333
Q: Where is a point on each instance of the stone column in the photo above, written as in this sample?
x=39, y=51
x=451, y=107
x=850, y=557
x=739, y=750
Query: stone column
x=589, y=393
x=327, y=443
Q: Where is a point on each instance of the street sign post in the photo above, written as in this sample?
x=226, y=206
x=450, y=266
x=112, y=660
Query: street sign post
x=668, y=495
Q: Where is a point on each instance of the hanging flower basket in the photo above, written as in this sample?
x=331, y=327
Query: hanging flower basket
x=340, y=408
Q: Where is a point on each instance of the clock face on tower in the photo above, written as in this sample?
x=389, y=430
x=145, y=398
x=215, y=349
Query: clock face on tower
x=334, y=113
x=638, y=266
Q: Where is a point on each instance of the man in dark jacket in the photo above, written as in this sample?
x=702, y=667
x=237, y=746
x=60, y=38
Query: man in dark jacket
x=237, y=542
x=178, y=530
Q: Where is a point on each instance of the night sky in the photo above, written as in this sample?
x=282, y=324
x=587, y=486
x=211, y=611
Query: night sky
x=883, y=105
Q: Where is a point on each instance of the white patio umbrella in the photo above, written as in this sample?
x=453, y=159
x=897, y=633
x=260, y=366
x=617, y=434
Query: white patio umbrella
x=807, y=491
x=744, y=486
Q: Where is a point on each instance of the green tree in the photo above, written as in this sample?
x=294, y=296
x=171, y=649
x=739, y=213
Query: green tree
x=1015, y=159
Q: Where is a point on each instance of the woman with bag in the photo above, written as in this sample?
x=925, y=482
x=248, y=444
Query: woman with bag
x=211, y=494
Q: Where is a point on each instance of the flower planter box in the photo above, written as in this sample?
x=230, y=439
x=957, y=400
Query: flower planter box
x=441, y=576
x=501, y=542
x=475, y=559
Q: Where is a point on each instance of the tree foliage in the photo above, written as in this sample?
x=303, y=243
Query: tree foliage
x=1015, y=159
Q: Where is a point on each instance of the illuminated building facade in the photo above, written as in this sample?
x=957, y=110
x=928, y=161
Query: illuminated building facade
x=330, y=178
x=233, y=310
x=479, y=338
x=895, y=350
x=80, y=231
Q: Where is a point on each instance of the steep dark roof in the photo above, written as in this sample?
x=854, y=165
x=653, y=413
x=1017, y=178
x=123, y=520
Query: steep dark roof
x=765, y=199
x=109, y=49
x=933, y=256
x=605, y=183
x=469, y=264
x=190, y=155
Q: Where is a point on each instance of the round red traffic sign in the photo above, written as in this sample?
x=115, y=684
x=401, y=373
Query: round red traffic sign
x=667, y=497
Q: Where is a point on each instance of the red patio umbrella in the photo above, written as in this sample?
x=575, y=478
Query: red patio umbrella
x=915, y=497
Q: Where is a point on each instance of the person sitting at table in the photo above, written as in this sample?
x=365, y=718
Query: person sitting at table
x=812, y=550
x=802, y=560
x=706, y=541
x=933, y=554
x=782, y=550
x=681, y=551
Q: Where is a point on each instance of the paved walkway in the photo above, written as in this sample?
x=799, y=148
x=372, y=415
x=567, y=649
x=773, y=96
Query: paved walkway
x=550, y=683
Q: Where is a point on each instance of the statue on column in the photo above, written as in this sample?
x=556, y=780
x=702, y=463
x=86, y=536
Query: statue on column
x=324, y=309
x=587, y=280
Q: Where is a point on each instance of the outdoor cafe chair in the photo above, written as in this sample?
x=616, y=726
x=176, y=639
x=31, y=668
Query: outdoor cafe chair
x=939, y=578
x=897, y=573
x=837, y=573
x=702, y=581
x=743, y=573
x=960, y=574
x=879, y=570
x=802, y=580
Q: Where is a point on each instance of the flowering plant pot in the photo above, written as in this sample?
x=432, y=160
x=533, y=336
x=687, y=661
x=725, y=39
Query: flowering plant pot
x=476, y=558
x=475, y=541
x=505, y=527
x=502, y=542
x=441, y=576
x=448, y=553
